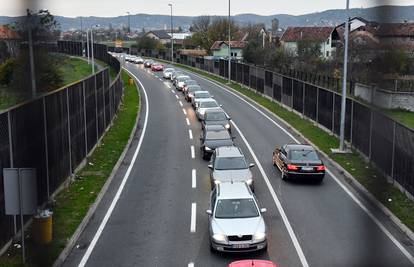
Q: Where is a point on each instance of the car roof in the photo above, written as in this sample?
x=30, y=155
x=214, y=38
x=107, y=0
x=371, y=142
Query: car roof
x=228, y=152
x=233, y=190
x=299, y=147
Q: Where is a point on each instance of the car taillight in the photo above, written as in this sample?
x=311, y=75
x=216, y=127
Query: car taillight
x=291, y=167
x=320, y=168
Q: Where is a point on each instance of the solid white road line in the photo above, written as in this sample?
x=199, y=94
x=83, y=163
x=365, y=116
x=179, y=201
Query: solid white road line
x=121, y=186
x=289, y=228
x=190, y=133
x=193, y=178
x=336, y=179
x=185, y=112
x=181, y=103
x=193, y=217
x=192, y=152
x=176, y=96
x=172, y=91
x=188, y=121
x=191, y=264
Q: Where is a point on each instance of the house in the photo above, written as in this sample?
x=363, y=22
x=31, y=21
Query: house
x=11, y=38
x=159, y=35
x=397, y=35
x=220, y=49
x=327, y=37
x=179, y=37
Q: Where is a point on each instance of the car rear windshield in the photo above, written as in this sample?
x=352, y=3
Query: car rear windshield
x=215, y=116
x=217, y=135
x=202, y=95
x=194, y=88
x=303, y=154
x=191, y=82
x=232, y=163
x=208, y=104
x=182, y=79
x=236, y=208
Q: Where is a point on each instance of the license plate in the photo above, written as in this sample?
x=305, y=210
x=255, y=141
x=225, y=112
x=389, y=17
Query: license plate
x=307, y=168
x=240, y=245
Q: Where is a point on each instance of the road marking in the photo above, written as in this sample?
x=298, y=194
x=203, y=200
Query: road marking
x=121, y=186
x=276, y=200
x=181, y=103
x=190, y=133
x=336, y=179
x=194, y=178
x=176, y=96
x=160, y=79
x=193, y=217
x=191, y=264
x=185, y=112
x=172, y=91
x=192, y=152
x=167, y=84
x=188, y=121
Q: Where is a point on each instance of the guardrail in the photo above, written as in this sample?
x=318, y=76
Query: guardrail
x=55, y=132
x=387, y=143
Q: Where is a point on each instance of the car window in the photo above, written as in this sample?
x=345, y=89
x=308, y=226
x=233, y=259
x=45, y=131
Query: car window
x=217, y=135
x=236, y=208
x=209, y=104
x=303, y=154
x=215, y=116
x=213, y=199
x=231, y=163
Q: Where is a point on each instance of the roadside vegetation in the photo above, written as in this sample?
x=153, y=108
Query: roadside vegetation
x=369, y=176
x=403, y=116
x=72, y=203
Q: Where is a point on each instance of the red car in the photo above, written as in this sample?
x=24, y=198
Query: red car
x=250, y=263
x=157, y=67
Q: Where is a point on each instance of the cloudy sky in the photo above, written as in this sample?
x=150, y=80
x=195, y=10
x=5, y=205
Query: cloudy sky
x=109, y=8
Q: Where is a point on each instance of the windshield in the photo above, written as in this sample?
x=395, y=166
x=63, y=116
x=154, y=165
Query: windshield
x=217, y=135
x=303, y=155
x=182, y=79
x=191, y=82
x=208, y=104
x=233, y=163
x=236, y=208
x=215, y=116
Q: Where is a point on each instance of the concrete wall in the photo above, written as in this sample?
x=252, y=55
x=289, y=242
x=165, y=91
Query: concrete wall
x=385, y=99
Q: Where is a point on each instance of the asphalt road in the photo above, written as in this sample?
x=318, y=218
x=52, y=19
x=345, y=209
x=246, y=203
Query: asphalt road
x=153, y=222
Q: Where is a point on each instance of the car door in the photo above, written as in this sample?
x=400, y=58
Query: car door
x=213, y=198
x=282, y=157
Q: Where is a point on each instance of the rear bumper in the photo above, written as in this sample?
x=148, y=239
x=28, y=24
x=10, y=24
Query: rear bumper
x=230, y=248
x=306, y=175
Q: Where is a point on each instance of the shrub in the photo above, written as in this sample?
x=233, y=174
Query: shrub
x=6, y=71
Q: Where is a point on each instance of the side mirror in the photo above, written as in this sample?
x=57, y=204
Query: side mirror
x=212, y=96
x=210, y=166
x=209, y=212
x=263, y=210
x=251, y=165
x=229, y=118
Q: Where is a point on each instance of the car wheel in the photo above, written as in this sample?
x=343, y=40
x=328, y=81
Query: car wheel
x=284, y=176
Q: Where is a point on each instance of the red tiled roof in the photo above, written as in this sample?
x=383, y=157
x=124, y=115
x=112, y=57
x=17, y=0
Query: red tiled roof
x=396, y=29
x=293, y=34
x=233, y=44
x=8, y=34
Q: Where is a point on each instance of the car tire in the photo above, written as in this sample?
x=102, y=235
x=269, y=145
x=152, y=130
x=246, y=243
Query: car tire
x=204, y=155
x=284, y=176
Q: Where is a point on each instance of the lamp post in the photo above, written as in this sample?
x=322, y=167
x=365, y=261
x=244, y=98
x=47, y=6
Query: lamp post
x=31, y=54
x=229, y=47
x=87, y=46
x=129, y=23
x=93, y=59
x=172, y=34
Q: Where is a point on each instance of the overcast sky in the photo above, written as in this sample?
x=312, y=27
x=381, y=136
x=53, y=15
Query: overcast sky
x=109, y=8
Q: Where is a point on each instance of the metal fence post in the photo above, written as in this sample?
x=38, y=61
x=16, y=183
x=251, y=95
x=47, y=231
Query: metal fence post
x=291, y=93
x=317, y=104
x=96, y=109
x=103, y=97
x=46, y=147
x=69, y=137
x=333, y=112
x=393, y=151
x=84, y=118
x=11, y=160
x=352, y=122
x=303, y=98
x=370, y=134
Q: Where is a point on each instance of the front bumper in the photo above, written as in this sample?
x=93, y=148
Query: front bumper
x=247, y=246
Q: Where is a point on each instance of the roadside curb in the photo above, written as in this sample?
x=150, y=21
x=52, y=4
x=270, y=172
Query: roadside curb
x=350, y=179
x=71, y=243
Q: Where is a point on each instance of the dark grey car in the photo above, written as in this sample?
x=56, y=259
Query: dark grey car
x=216, y=117
x=214, y=136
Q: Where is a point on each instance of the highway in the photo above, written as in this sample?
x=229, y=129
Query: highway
x=154, y=211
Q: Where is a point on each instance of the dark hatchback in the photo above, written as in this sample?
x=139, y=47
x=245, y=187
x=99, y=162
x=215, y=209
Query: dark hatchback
x=299, y=161
x=214, y=136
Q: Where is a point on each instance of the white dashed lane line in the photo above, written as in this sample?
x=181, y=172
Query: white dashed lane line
x=181, y=103
x=185, y=112
x=176, y=96
x=188, y=121
x=190, y=134
x=172, y=91
x=193, y=217
x=192, y=152
x=191, y=264
x=194, y=178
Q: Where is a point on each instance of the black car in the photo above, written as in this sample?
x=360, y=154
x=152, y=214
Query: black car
x=191, y=89
x=148, y=63
x=214, y=136
x=216, y=117
x=298, y=160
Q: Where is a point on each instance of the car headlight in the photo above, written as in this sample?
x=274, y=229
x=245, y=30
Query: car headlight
x=259, y=237
x=190, y=95
x=219, y=238
x=202, y=112
x=217, y=182
x=227, y=126
x=249, y=181
x=207, y=148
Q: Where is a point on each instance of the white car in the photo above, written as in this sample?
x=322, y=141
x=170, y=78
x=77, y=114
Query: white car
x=205, y=104
x=138, y=60
x=167, y=73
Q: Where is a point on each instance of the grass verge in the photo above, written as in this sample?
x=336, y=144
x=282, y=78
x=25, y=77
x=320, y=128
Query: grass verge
x=369, y=176
x=404, y=116
x=72, y=203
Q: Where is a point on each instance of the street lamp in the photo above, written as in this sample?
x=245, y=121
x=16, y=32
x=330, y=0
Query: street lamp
x=172, y=34
x=93, y=60
x=229, y=47
x=344, y=86
x=129, y=24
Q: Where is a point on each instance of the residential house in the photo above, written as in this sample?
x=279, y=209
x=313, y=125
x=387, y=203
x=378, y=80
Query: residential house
x=397, y=35
x=11, y=38
x=159, y=35
x=327, y=37
x=179, y=37
x=220, y=49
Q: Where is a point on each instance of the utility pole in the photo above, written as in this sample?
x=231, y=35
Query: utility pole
x=344, y=86
x=229, y=46
x=172, y=35
x=87, y=45
x=31, y=54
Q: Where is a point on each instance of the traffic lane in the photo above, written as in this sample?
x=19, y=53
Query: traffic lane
x=351, y=239
x=280, y=247
x=154, y=208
